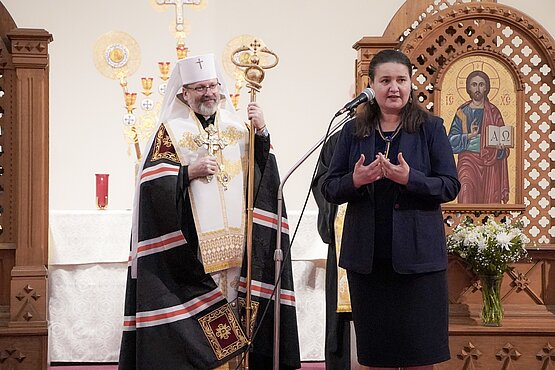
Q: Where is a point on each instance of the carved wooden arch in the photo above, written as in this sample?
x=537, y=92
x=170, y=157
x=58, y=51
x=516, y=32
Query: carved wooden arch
x=460, y=28
x=461, y=14
x=503, y=14
x=413, y=13
x=407, y=18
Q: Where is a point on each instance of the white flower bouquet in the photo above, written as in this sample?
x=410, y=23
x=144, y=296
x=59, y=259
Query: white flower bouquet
x=488, y=248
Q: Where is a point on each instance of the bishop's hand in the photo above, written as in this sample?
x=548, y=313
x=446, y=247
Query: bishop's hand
x=203, y=167
x=256, y=116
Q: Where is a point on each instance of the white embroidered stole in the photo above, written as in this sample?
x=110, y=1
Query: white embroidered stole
x=219, y=204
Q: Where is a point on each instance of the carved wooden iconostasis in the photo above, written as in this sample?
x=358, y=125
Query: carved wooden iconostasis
x=450, y=42
x=23, y=195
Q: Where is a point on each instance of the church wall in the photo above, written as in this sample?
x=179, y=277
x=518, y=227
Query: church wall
x=314, y=78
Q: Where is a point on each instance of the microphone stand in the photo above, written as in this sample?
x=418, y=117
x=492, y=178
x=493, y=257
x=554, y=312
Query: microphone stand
x=278, y=253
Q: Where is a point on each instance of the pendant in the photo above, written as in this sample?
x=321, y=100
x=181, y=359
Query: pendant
x=223, y=178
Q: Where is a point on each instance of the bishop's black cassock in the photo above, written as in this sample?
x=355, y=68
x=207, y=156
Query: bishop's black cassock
x=176, y=317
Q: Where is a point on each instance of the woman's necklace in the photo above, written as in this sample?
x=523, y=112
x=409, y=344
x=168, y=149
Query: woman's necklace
x=388, y=138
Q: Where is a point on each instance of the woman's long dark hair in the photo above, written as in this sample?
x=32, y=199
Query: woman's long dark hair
x=368, y=118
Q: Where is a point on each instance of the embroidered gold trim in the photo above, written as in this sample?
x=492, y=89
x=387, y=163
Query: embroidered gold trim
x=167, y=141
x=188, y=141
x=233, y=168
x=232, y=135
x=221, y=252
x=343, y=295
x=243, y=312
x=224, y=232
x=215, y=142
x=163, y=140
x=223, y=331
x=228, y=170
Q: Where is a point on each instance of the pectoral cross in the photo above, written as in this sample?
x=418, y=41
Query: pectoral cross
x=211, y=142
x=212, y=145
x=178, y=10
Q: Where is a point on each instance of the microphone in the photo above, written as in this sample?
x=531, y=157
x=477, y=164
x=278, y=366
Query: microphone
x=366, y=95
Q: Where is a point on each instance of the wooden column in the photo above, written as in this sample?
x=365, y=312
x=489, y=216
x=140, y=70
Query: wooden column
x=29, y=276
x=366, y=48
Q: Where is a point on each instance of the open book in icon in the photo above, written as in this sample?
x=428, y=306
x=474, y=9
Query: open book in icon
x=500, y=136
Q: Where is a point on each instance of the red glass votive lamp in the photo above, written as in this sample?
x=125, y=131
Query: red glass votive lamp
x=101, y=190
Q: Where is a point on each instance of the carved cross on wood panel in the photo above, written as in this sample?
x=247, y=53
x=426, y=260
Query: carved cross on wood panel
x=469, y=354
x=546, y=355
x=508, y=354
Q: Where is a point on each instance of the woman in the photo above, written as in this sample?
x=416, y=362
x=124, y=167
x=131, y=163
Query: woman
x=394, y=166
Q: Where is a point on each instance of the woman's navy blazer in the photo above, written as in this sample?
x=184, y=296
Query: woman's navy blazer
x=418, y=240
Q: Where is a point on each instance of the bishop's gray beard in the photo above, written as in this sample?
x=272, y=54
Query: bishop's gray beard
x=207, y=109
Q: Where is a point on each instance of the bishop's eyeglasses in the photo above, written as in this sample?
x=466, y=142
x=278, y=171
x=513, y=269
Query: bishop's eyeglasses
x=203, y=89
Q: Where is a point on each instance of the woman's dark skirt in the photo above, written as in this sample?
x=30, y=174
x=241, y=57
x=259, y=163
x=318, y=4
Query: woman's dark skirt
x=400, y=320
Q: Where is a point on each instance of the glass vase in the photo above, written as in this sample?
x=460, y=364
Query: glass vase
x=492, y=310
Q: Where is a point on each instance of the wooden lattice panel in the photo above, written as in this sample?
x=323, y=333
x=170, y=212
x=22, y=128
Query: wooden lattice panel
x=433, y=8
x=513, y=39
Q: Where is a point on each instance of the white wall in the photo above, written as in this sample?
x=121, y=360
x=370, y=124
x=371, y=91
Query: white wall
x=313, y=39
